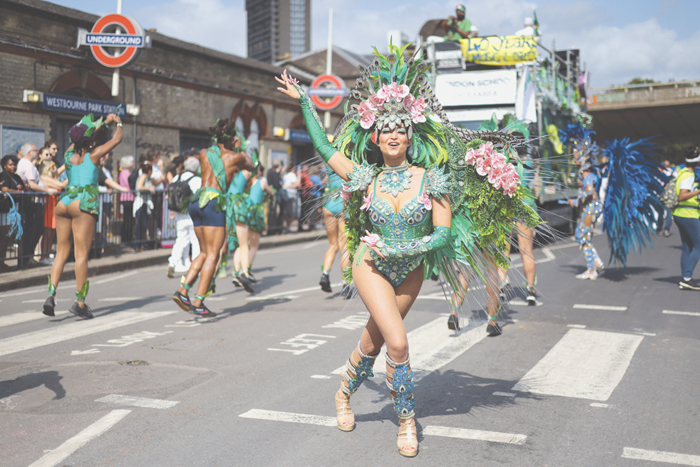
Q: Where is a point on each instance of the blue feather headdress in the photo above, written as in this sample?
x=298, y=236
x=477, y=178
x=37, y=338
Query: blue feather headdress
x=578, y=139
x=632, y=204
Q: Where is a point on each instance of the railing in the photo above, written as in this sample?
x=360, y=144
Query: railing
x=119, y=227
x=640, y=93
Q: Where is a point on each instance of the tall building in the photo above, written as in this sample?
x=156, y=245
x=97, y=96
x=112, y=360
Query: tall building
x=278, y=29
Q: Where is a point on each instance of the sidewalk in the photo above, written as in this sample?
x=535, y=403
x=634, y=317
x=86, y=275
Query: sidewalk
x=125, y=261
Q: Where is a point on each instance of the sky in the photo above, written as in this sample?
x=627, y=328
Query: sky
x=618, y=39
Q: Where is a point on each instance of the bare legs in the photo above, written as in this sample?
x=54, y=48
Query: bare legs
x=211, y=239
x=241, y=258
x=254, y=241
x=525, y=239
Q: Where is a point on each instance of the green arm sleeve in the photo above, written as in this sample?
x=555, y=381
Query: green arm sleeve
x=410, y=248
x=315, y=127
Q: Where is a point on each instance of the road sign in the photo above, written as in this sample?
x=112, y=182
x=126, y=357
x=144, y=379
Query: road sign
x=327, y=92
x=128, y=43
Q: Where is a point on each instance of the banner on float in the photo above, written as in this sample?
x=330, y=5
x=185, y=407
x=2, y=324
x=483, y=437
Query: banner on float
x=495, y=87
x=499, y=50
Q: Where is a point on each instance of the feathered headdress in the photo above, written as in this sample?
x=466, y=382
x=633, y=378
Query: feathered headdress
x=578, y=139
x=84, y=130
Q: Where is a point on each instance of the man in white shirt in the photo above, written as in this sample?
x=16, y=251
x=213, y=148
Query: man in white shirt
x=179, y=260
x=32, y=212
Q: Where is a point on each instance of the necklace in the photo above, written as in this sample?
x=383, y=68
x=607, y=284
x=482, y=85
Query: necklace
x=394, y=180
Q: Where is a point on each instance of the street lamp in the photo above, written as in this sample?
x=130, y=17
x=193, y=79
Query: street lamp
x=31, y=96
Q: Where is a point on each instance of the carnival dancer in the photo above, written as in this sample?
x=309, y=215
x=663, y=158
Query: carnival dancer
x=212, y=212
x=591, y=209
x=334, y=221
x=256, y=219
x=241, y=209
x=410, y=203
x=78, y=206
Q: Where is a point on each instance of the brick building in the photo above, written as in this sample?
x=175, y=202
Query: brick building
x=180, y=88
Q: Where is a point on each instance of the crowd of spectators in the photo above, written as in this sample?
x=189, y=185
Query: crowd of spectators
x=133, y=206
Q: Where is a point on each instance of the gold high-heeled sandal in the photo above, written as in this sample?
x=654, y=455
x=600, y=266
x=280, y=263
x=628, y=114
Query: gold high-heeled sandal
x=343, y=412
x=408, y=438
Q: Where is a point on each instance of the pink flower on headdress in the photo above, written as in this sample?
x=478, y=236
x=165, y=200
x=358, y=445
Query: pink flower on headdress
x=344, y=193
x=496, y=177
x=498, y=160
x=367, y=202
x=483, y=166
x=408, y=102
x=375, y=101
x=370, y=239
x=472, y=156
x=384, y=93
x=418, y=110
x=486, y=149
x=424, y=199
x=367, y=120
x=365, y=106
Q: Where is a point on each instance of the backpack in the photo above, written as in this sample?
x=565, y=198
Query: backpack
x=133, y=178
x=179, y=194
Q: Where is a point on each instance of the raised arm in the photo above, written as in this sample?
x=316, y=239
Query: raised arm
x=338, y=162
x=100, y=151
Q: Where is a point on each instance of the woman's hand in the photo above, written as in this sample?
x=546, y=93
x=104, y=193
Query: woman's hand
x=288, y=88
x=110, y=118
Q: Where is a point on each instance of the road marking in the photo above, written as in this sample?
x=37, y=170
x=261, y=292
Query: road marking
x=303, y=341
x=686, y=313
x=600, y=307
x=320, y=376
x=599, y=405
x=119, y=299
x=504, y=394
x=132, y=339
x=137, y=401
x=479, y=435
x=72, y=330
x=561, y=247
x=583, y=364
x=84, y=352
x=279, y=297
x=290, y=417
x=81, y=439
x=660, y=456
x=121, y=276
x=433, y=346
x=26, y=292
x=523, y=303
x=351, y=323
x=576, y=326
x=549, y=257
x=34, y=300
x=18, y=318
x=650, y=334
x=290, y=293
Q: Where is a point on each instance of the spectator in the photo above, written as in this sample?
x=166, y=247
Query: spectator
x=458, y=27
x=44, y=155
x=33, y=212
x=53, y=147
x=274, y=223
x=49, y=175
x=126, y=165
x=179, y=261
x=143, y=203
x=290, y=184
x=687, y=217
x=106, y=184
x=10, y=182
x=158, y=178
x=305, y=187
x=314, y=196
x=174, y=168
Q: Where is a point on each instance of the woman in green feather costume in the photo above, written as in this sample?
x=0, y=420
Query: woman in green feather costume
x=406, y=177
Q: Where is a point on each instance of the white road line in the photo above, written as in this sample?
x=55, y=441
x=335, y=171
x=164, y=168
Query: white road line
x=523, y=303
x=81, y=439
x=549, y=256
x=583, y=364
x=27, y=292
x=650, y=334
x=290, y=417
x=279, y=297
x=599, y=405
x=17, y=318
x=660, y=456
x=34, y=300
x=600, y=307
x=504, y=394
x=576, y=326
x=114, y=278
x=561, y=247
x=137, y=401
x=433, y=346
x=72, y=330
x=290, y=292
x=463, y=433
x=119, y=299
x=686, y=313
x=320, y=377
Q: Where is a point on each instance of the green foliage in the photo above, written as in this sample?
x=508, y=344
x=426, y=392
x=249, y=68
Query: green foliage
x=356, y=223
x=634, y=81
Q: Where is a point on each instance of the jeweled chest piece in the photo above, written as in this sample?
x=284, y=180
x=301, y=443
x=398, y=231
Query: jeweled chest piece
x=394, y=180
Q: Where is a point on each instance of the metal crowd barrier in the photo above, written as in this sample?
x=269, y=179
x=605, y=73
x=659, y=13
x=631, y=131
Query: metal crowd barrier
x=120, y=228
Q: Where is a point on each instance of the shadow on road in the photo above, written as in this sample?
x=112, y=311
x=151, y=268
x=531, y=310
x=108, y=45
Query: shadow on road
x=50, y=379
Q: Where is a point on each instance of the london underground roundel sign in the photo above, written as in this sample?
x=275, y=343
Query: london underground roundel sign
x=327, y=92
x=103, y=35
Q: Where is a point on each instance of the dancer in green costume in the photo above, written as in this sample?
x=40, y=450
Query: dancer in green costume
x=212, y=213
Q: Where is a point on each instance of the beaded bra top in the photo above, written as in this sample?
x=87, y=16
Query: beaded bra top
x=411, y=221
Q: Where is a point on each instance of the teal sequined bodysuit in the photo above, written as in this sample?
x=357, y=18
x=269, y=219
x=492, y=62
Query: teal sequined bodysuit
x=238, y=197
x=412, y=222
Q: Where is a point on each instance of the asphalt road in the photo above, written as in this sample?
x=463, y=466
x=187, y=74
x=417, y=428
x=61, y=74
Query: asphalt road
x=599, y=375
